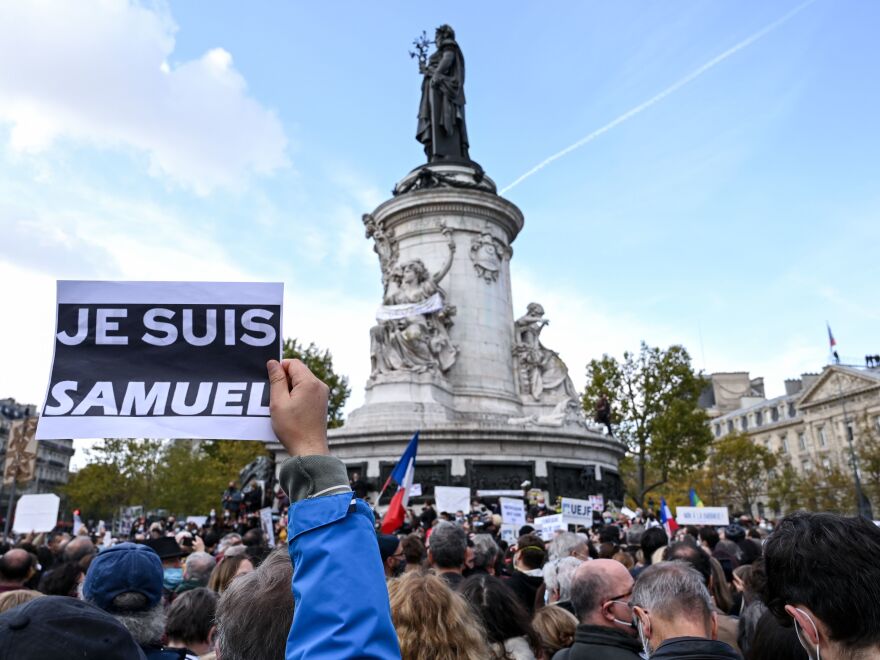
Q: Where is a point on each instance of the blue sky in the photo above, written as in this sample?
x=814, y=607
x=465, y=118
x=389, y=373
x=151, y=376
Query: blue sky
x=245, y=140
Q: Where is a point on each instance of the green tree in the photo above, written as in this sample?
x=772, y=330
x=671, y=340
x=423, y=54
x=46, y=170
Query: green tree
x=784, y=487
x=868, y=443
x=321, y=364
x=740, y=468
x=653, y=397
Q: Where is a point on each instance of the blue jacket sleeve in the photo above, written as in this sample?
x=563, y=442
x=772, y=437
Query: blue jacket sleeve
x=341, y=601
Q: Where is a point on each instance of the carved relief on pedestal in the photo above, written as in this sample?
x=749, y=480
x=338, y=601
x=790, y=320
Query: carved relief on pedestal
x=412, y=331
x=542, y=375
x=488, y=254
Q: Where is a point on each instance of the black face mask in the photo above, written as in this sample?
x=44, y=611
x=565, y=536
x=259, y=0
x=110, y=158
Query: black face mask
x=398, y=570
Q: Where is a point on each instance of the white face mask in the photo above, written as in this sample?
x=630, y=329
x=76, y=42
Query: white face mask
x=646, y=643
x=803, y=638
x=628, y=624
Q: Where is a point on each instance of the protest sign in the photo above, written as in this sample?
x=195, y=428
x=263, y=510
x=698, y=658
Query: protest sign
x=36, y=513
x=547, y=526
x=199, y=521
x=508, y=533
x=452, y=498
x=21, y=451
x=513, y=512
x=162, y=360
x=577, y=512
x=629, y=513
x=415, y=490
x=598, y=503
x=267, y=526
x=702, y=515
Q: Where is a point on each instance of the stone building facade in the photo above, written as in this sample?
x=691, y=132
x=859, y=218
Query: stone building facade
x=53, y=456
x=807, y=426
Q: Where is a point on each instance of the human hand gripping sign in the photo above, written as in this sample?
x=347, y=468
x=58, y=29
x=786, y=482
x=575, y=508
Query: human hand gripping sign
x=298, y=408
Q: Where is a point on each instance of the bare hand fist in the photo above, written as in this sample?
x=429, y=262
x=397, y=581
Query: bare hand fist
x=298, y=407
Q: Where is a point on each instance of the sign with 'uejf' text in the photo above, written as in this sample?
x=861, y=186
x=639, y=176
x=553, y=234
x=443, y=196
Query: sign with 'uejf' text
x=162, y=360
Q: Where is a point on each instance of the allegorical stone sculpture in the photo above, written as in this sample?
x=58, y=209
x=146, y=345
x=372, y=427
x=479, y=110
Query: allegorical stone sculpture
x=441, y=128
x=384, y=245
x=412, y=331
x=488, y=254
x=542, y=374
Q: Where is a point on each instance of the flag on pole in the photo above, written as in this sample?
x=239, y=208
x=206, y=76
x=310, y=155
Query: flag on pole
x=667, y=518
x=695, y=499
x=832, y=343
x=402, y=475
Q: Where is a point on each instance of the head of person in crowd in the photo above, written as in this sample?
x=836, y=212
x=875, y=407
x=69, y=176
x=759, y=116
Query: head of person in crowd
x=157, y=530
x=823, y=574
x=63, y=580
x=414, y=551
x=485, y=554
x=673, y=613
x=79, y=549
x=569, y=544
x=57, y=541
x=530, y=553
x=555, y=628
x=229, y=568
x=506, y=622
x=773, y=640
x=255, y=612
x=434, y=622
x=196, y=571
x=709, y=538
x=228, y=541
x=393, y=559
x=62, y=627
x=609, y=534
x=126, y=581
x=446, y=551
x=189, y=621
x=652, y=540
x=12, y=599
x=624, y=558
x=17, y=566
x=558, y=575
x=600, y=594
x=170, y=553
x=607, y=550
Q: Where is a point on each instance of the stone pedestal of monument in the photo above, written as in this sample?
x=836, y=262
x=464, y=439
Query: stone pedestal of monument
x=494, y=406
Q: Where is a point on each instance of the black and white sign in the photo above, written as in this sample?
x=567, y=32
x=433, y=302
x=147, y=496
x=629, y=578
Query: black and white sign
x=162, y=360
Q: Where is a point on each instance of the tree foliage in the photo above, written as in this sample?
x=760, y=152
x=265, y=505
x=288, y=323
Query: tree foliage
x=321, y=364
x=739, y=468
x=653, y=396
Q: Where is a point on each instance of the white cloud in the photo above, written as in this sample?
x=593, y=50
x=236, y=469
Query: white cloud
x=101, y=73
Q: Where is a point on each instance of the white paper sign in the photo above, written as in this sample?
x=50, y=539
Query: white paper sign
x=415, y=490
x=513, y=512
x=198, y=520
x=547, y=526
x=577, y=512
x=702, y=515
x=393, y=312
x=598, y=503
x=162, y=360
x=508, y=533
x=452, y=498
x=629, y=513
x=268, y=526
x=38, y=513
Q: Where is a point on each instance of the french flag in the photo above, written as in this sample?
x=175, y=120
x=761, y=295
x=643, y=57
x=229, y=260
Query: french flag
x=667, y=518
x=403, y=477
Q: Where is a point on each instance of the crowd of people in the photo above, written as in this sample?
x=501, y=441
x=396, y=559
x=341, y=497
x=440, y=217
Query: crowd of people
x=445, y=586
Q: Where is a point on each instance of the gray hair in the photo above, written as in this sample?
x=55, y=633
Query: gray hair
x=227, y=541
x=565, y=574
x=485, y=550
x=673, y=589
x=564, y=543
x=198, y=567
x=146, y=626
x=255, y=612
x=447, y=545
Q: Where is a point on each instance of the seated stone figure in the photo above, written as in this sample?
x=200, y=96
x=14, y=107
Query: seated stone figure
x=543, y=374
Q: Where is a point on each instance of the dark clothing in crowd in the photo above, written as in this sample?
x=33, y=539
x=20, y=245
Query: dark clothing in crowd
x=452, y=579
x=694, y=648
x=525, y=587
x=162, y=653
x=599, y=643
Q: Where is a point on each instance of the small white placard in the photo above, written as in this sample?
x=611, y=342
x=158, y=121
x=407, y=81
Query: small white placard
x=577, y=512
x=598, y=503
x=548, y=525
x=629, y=513
x=702, y=515
x=513, y=512
x=198, y=520
x=415, y=490
x=508, y=533
x=268, y=526
x=36, y=513
x=450, y=499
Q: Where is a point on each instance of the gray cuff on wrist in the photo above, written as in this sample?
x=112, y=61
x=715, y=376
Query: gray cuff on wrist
x=313, y=476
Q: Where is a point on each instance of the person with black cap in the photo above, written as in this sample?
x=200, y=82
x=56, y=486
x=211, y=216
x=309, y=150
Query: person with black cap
x=393, y=559
x=126, y=581
x=64, y=627
x=172, y=570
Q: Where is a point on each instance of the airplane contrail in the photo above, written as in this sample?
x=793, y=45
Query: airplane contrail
x=662, y=95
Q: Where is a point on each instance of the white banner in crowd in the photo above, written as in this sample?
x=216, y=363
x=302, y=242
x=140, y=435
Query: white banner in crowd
x=577, y=512
x=513, y=512
x=629, y=513
x=547, y=526
x=162, y=360
x=268, y=526
x=394, y=312
x=451, y=499
x=702, y=515
x=198, y=520
x=36, y=513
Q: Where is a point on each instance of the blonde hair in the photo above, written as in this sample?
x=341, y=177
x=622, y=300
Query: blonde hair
x=225, y=571
x=555, y=626
x=17, y=597
x=433, y=622
x=624, y=558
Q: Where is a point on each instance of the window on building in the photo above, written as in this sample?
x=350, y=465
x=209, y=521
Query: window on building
x=744, y=423
x=759, y=418
x=783, y=444
x=717, y=430
x=730, y=426
x=774, y=414
x=791, y=411
x=823, y=439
